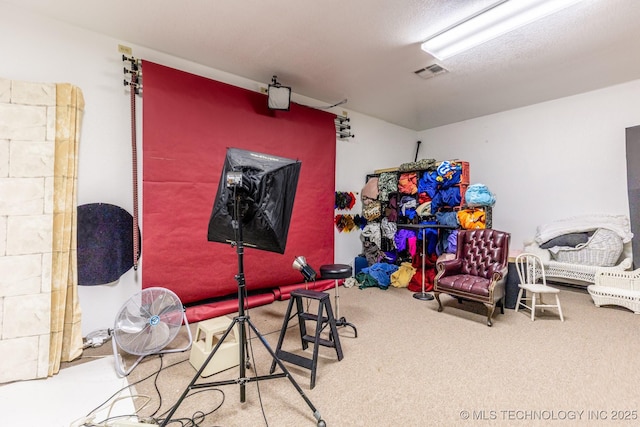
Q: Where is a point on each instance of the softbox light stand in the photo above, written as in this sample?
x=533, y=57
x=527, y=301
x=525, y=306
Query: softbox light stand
x=239, y=204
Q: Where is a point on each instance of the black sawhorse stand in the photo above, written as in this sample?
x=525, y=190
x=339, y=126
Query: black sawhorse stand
x=323, y=319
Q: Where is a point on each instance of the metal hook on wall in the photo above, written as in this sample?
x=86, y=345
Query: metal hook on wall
x=343, y=127
x=134, y=74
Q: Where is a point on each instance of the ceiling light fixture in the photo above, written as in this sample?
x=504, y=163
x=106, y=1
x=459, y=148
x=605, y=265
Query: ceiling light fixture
x=489, y=23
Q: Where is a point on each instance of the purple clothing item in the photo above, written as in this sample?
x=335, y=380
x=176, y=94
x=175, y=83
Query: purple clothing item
x=452, y=241
x=401, y=238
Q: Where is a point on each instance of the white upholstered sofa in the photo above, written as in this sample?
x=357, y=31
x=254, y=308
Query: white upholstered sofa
x=574, y=249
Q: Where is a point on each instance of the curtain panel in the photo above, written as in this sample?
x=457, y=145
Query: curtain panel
x=66, y=316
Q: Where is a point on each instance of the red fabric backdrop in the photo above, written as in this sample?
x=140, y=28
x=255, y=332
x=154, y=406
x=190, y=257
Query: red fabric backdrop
x=188, y=123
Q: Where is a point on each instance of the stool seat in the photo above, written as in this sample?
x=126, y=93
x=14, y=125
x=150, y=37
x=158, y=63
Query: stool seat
x=308, y=293
x=335, y=271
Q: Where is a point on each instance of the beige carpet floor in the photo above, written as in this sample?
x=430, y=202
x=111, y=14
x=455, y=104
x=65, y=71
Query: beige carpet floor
x=413, y=366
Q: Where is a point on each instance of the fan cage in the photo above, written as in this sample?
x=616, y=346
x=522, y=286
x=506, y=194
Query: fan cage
x=147, y=323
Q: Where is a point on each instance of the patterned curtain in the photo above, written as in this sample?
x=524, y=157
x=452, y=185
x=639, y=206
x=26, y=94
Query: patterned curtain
x=66, y=333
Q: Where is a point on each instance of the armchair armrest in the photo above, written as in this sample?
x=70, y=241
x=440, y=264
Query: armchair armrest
x=500, y=275
x=498, y=282
x=449, y=267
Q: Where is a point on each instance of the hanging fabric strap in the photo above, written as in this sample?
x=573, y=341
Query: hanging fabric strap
x=134, y=167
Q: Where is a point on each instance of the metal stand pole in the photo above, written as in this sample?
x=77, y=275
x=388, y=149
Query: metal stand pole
x=424, y=296
x=342, y=321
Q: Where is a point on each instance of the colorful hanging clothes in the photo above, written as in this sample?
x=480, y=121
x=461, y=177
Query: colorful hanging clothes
x=372, y=253
x=344, y=200
x=360, y=221
x=479, y=195
x=372, y=233
x=431, y=237
x=391, y=210
x=452, y=242
x=424, y=209
x=446, y=197
x=401, y=238
x=381, y=272
x=408, y=183
x=440, y=185
x=388, y=230
x=449, y=173
x=423, y=197
x=345, y=223
x=402, y=276
x=472, y=218
x=408, y=206
x=387, y=185
x=428, y=184
x=444, y=240
x=369, y=192
x=415, y=285
x=422, y=164
x=372, y=211
x=366, y=280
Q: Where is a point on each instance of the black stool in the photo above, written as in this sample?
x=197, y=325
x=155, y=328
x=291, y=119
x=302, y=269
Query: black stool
x=323, y=319
x=338, y=271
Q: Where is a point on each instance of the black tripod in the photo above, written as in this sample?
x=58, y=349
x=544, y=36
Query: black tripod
x=243, y=320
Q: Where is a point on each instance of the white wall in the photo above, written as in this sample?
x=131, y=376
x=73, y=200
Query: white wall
x=376, y=145
x=550, y=160
x=38, y=49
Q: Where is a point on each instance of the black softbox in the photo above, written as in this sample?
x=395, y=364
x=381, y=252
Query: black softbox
x=258, y=190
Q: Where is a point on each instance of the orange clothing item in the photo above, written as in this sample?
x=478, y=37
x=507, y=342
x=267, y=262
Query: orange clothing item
x=408, y=183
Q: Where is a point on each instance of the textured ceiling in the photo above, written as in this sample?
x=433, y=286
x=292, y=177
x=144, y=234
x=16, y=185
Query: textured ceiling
x=367, y=50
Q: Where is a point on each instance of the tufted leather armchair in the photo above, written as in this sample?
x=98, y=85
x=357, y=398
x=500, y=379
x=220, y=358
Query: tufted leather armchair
x=479, y=271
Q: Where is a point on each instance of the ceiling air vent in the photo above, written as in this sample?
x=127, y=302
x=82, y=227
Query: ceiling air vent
x=430, y=71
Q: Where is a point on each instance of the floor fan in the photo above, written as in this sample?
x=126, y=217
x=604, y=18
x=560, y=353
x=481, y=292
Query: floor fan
x=146, y=324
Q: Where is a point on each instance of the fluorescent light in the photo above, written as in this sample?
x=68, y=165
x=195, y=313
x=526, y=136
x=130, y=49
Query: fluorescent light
x=490, y=23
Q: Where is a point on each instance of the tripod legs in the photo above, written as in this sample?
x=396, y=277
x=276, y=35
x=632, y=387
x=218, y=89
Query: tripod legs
x=243, y=321
x=285, y=372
